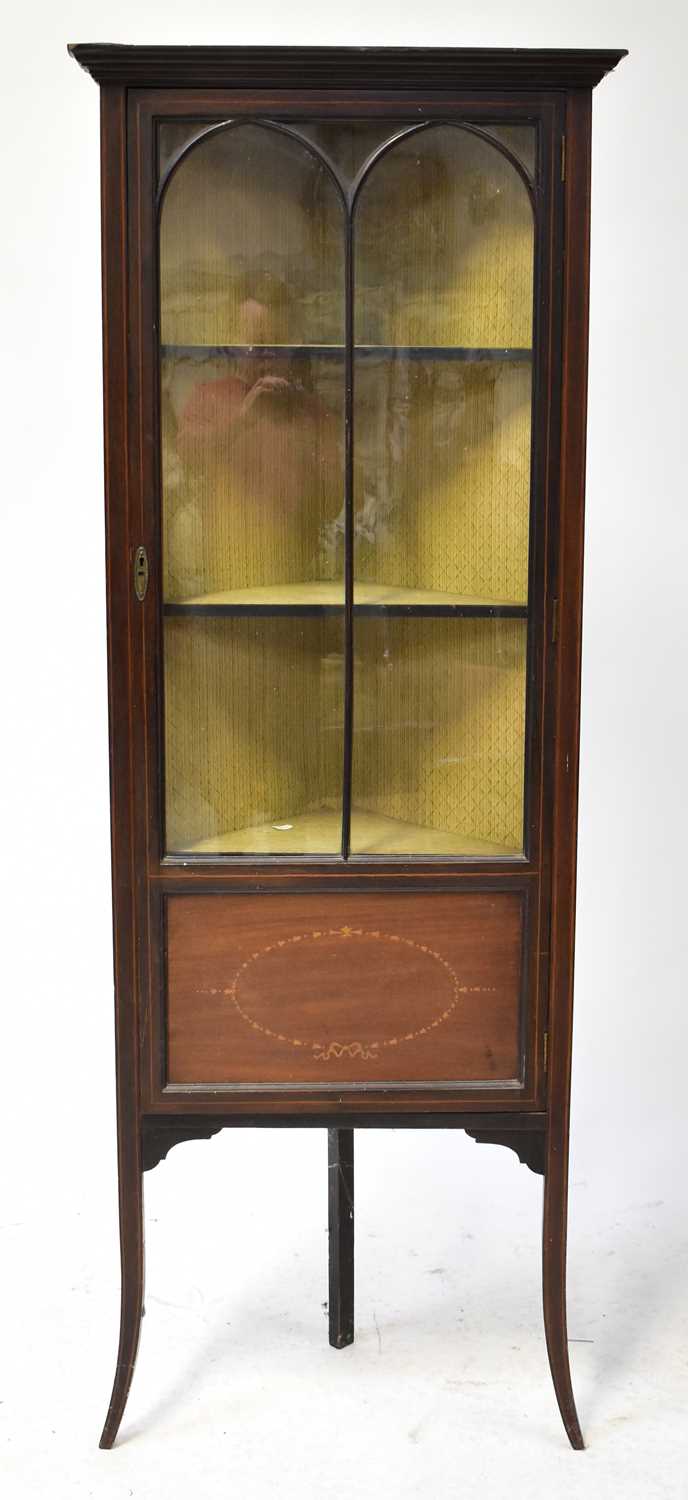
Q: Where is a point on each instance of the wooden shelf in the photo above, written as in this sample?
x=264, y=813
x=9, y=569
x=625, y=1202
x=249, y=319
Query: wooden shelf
x=320, y=833
x=325, y=598
x=337, y=351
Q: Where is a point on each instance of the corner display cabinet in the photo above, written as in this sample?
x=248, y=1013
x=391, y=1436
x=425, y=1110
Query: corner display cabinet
x=345, y=333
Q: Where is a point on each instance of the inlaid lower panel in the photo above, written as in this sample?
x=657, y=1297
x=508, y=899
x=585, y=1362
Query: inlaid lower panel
x=344, y=990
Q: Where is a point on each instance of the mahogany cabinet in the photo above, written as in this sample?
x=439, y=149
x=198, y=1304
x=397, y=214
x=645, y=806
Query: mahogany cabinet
x=345, y=332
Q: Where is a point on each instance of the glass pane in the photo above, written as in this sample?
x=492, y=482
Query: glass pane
x=444, y=294
x=439, y=733
x=252, y=476
x=444, y=291
x=442, y=479
x=173, y=135
x=444, y=246
x=252, y=413
x=253, y=735
x=521, y=139
x=251, y=244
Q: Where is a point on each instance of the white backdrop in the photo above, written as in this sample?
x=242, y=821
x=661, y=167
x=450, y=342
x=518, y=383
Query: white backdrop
x=447, y=1386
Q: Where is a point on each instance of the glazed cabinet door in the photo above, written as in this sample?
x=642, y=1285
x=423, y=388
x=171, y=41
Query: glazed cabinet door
x=345, y=335
x=346, y=322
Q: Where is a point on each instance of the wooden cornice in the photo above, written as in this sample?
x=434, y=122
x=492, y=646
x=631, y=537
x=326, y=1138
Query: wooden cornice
x=417, y=68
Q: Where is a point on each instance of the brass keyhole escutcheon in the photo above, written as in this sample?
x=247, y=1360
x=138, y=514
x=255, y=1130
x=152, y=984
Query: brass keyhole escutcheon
x=140, y=573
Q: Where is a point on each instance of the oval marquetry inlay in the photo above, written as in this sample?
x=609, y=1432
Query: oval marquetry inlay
x=345, y=992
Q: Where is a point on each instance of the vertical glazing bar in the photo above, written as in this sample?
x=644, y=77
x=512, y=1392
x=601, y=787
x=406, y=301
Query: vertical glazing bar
x=348, y=531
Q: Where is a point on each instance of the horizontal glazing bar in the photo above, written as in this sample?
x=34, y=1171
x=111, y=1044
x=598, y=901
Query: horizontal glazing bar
x=337, y=351
x=465, y=611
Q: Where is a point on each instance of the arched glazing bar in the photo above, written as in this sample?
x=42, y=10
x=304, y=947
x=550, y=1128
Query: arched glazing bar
x=235, y=124
x=522, y=139
x=439, y=124
x=348, y=189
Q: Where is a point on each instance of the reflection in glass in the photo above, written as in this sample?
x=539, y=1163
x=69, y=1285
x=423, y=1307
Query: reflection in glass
x=252, y=472
x=251, y=262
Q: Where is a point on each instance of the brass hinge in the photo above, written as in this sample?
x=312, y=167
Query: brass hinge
x=545, y=1050
x=140, y=573
x=563, y=158
x=555, y=620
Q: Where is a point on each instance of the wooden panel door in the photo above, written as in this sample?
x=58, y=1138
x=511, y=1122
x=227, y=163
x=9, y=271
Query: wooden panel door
x=345, y=991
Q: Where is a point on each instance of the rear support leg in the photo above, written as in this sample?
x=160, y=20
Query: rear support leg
x=340, y=1153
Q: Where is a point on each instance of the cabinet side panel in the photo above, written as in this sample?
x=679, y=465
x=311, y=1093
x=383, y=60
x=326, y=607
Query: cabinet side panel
x=114, y=261
x=344, y=990
x=114, y=253
x=572, y=496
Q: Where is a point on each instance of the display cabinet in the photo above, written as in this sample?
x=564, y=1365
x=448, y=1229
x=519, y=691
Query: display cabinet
x=345, y=330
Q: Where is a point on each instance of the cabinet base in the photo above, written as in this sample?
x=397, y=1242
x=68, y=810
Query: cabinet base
x=525, y=1134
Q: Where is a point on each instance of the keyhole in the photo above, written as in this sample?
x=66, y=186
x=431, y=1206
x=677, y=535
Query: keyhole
x=141, y=573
